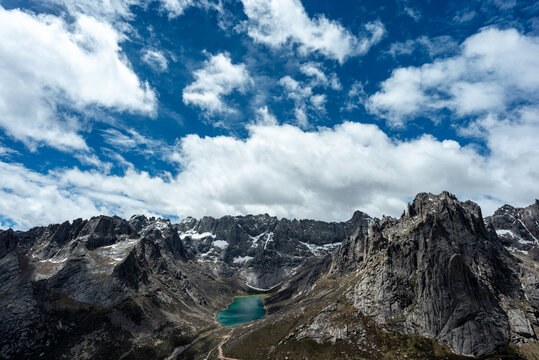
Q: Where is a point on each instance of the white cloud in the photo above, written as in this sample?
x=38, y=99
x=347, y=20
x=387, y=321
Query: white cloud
x=5, y=151
x=155, y=59
x=440, y=45
x=503, y=4
x=45, y=62
x=218, y=78
x=131, y=141
x=305, y=101
x=413, y=13
x=278, y=22
x=319, y=102
x=512, y=143
x=29, y=198
x=284, y=171
x=294, y=88
x=262, y=117
x=319, y=78
x=495, y=71
x=109, y=10
x=117, y=11
x=464, y=16
x=356, y=96
x=176, y=7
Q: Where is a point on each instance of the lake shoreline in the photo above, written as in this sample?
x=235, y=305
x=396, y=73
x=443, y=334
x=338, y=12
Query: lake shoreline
x=243, y=312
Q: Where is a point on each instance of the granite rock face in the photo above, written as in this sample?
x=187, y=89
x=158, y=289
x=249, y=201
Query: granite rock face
x=518, y=231
x=440, y=272
x=517, y=228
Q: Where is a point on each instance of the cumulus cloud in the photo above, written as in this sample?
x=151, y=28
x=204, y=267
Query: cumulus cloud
x=512, y=145
x=288, y=172
x=27, y=198
x=278, y=22
x=262, y=117
x=218, y=78
x=155, y=59
x=308, y=103
x=495, y=71
x=46, y=62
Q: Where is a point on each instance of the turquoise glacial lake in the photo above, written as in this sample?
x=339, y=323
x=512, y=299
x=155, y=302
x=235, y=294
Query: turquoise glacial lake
x=242, y=310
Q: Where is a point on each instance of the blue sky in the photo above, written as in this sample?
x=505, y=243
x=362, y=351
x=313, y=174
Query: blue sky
x=298, y=109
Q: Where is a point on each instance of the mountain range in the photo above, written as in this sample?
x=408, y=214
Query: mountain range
x=440, y=282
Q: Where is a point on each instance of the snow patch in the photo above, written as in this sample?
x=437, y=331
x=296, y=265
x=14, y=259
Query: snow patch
x=517, y=250
x=220, y=244
x=318, y=250
x=119, y=251
x=262, y=289
x=514, y=236
x=269, y=238
x=56, y=260
x=196, y=236
x=256, y=239
x=529, y=232
x=242, y=259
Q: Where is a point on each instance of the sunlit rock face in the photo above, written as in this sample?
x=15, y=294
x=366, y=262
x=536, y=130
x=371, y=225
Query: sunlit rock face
x=440, y=272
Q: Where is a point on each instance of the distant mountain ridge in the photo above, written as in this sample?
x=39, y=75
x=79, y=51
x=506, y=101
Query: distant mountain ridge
x=266, y=249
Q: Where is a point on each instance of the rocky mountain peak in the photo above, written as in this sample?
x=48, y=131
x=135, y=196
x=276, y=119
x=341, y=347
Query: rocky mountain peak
x=435, y=271
x=430, y=204
x=517, y=228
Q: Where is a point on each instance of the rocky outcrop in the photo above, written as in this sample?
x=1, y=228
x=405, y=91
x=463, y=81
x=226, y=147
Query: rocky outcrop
x=517, y=228
x=7, y=242
x=518, y=231
x=440, y=272
x=352, y=252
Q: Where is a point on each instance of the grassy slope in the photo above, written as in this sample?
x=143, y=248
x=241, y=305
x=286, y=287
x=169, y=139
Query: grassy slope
x=278, y=336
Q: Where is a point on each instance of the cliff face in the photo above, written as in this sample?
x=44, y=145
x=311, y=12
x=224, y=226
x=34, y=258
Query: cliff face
x=518, y=228
x=440, y=272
